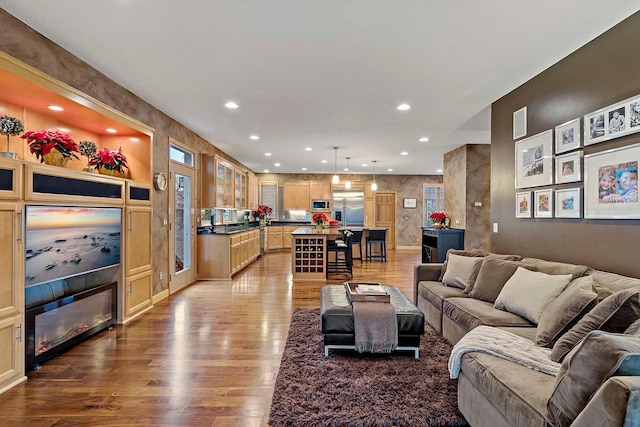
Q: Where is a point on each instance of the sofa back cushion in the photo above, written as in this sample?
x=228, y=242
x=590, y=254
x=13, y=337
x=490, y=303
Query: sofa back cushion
x=461, y=271
x=565, y=311
x=615, y=314
x=527, y=293
x=634, y=329
x=610, y=282
x=599, y=356
x=493, y=275
x=557, y=268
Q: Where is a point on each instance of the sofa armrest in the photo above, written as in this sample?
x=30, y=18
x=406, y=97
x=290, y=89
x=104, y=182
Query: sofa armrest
x=424, y=272
x=616, y=403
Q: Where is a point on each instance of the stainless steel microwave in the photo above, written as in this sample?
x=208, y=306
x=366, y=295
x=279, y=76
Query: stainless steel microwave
x=320, y=205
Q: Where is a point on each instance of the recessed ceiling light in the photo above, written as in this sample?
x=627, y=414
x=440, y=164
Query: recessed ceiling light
x=308, y=149
x=55, y=108
x=266, y=171
x=267, y=154
x=390, y=170
x=64, y=130
x=423, y=139
x=439, y=171
x=232, y=105
x=254, y=137
x=304, y=169
x=134, y=139
x=346, y=169
x=403, y=107
x=111, y=130
x=404, y=153
x=323, y=161
x=364, y=165
x=276, y=165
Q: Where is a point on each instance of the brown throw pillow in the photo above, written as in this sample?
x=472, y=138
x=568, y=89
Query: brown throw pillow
x=599, y=356
x=566, y=310
x=462, y=271
x=614, y=314
x=481, y=253
x=493, y=274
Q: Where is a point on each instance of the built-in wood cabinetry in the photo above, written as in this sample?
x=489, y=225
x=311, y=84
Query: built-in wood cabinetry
x=222, y=255
x=224, y=179
x=296, y=196
x=227, y=186
x=252, y=191
x=273, y=237
x=138, y=287
x=286, y=235
x=369, y=205
x=240, y=189
x=11, y=295
x=319, y=190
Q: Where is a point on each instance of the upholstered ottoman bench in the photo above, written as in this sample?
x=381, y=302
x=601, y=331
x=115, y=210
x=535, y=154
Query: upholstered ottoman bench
x=337, y=319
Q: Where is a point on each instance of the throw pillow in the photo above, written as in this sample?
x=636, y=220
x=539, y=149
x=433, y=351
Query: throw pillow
x=634, y=329
x=492, y=277
x=614, y=314
x=565, y=311
x=528, y=293
x=462, y=271
x=471, y=253
x=599, y=356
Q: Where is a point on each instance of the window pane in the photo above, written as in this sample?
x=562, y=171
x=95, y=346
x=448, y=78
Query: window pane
x=433, y=201
x=180, y=155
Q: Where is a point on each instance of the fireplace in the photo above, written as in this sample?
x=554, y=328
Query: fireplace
x=56, y=326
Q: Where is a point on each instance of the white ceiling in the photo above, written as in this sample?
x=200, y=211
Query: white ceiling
x=325, y=73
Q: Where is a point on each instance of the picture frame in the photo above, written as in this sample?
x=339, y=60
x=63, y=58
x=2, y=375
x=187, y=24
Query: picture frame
x=543, y=203
x=568, y=136
x=534, y=165
x=568, y=203
x=409, y=203
x=611, y=184
x=523, y=204
x=614, y=121
x=569, y=167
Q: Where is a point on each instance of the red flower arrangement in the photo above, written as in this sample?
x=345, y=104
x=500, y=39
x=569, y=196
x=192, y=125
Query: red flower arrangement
x=438, y=217
x=43, y=141
x=319, y=218
x=110, y=160
x=262, y=211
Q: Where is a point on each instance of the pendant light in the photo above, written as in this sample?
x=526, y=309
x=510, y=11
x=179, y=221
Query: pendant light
x=374, y=185
x=336, y=178
x=347, y=183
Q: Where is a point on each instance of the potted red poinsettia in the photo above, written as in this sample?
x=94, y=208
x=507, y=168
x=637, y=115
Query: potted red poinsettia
x=51, y=146
x=319, y=219
x=109, y=162
x=439, y=219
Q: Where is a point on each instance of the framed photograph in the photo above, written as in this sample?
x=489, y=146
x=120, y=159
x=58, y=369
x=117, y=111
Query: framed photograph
x=409, y=203
x=543, y=203
x=534, y=160
x=622, y=118
x=520, y=123
x=567, y=203
x=611, y=183
x=523, y=204
x=568, y=167
x=568, y=136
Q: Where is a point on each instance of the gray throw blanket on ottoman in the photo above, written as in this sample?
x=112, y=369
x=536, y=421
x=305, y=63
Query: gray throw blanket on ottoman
x=375, y=327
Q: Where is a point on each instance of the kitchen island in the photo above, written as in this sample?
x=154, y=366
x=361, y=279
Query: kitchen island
x=309, y=252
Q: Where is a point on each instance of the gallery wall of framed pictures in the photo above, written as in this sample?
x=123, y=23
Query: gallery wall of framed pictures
x=555, y=157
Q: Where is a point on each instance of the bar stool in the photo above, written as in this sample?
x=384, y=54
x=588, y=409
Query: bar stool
x=342, y=259
x=356, y=239
x=377, y=237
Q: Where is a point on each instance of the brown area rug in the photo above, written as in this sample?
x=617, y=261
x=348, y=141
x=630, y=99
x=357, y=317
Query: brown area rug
x=358, y=390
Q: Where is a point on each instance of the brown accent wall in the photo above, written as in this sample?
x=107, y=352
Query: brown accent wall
x=466, y=182
x=599, y=74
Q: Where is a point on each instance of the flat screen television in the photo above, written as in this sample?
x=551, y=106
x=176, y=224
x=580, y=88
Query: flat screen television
x=65, y=241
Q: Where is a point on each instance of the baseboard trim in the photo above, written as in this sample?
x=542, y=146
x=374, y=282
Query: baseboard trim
x=13, y=384
x=160, y=296
x=138, y=314
x=404, y=248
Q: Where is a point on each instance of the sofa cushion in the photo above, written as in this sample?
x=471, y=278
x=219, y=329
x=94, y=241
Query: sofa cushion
x=527, y=293
x=436, y=292
x=599, y=356
x=565, y=311
x=493, y=275
x=461, y=271
x=518, y=393
x=557, y=268
x=615, y=314
x=634, y=329
x=470, y=313
x=481, y=253
x=614, y=282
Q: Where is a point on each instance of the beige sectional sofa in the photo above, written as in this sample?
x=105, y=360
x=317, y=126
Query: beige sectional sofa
x=598, y=383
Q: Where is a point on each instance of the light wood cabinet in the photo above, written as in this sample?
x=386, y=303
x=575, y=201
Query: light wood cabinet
x=320, y=190
x=138, y=240
x=286, y=235
x=252, y=192
x=296, y=196
x=224, y=184
x=137, y=293
x=10, y=179
x=274, y=237
x=222, y=255
x=11, y=296
x=240, y=189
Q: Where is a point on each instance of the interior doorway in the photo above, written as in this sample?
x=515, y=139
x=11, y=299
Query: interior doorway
x=386, y=215
x=182, y=236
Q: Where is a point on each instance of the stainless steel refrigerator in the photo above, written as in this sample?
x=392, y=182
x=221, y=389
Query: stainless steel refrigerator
x=348, y=207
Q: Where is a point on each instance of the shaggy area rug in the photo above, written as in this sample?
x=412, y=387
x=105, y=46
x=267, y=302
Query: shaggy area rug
x=361, y=390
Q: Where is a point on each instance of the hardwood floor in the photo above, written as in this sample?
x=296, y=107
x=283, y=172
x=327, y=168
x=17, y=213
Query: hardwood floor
x=206, y=356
